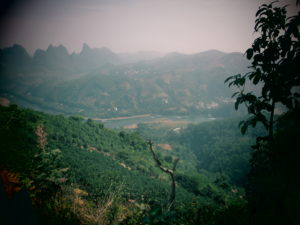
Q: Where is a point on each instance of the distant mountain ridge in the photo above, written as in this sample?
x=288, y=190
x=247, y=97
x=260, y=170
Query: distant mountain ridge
x=88, y=58
x=58, y=57
x=99, y=82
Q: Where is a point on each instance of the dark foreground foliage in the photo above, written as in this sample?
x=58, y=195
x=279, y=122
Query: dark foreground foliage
x=273, y=186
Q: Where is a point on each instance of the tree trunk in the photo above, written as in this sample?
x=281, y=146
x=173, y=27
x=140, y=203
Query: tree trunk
x=271, y=122
x=168, y=171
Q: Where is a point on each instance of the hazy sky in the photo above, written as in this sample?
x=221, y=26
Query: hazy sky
x=186, y=26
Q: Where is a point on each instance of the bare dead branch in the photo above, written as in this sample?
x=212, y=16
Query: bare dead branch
x=168, y=171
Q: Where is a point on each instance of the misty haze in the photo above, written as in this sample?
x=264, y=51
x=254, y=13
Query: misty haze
x=149, y=112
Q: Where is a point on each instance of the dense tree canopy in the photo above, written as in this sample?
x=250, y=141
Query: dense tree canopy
x=275, y=56
x=273, y=184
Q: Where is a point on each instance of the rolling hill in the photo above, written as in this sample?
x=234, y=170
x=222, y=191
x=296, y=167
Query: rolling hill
x=100, y=83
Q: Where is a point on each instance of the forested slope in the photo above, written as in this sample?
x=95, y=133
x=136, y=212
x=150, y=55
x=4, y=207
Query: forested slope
x=78, y=167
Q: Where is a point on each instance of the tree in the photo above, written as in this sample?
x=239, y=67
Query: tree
x=171, y=172
x=273, y=184
x=275, y=59
x=47, y=175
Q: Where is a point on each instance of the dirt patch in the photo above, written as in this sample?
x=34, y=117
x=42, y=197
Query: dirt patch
x=123, y=117
x=131, y=126
x=166, y=147
x=93, y=149
x=168, y=122
x=4, y=102
x=124, y=165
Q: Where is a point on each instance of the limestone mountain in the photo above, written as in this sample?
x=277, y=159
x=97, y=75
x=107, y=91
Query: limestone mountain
x=96, y=82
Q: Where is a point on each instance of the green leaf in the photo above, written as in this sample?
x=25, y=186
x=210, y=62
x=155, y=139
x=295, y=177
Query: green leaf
x=228, y=78
x=249, y=53
x=250, y=98
x=231, y=83
x=242, y=81
x=258, y=58
x=244, y=128
x=259, y=11
x=241, y=123
x=256, y=79
x=234, y=94
x=237, y=103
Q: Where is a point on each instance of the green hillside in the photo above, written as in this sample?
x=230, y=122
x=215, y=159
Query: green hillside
x=56, y=154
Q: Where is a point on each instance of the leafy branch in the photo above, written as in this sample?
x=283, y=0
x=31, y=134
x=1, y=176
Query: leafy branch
x=275, y=57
